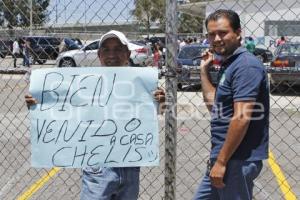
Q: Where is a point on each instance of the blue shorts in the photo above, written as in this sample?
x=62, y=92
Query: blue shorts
x=118, y=183
x=238, y=181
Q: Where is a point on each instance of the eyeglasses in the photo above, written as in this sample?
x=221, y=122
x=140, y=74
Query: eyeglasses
x=106, y=50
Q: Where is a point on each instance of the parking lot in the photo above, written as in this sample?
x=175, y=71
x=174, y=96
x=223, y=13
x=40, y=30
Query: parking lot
x=280, y=178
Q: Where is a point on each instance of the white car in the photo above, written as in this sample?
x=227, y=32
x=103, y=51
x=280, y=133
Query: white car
x=141, y=55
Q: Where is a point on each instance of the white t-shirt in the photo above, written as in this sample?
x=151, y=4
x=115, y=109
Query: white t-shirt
x=16, y=47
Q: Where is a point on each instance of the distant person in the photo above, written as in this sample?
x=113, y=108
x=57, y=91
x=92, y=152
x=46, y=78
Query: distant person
x=16, y=51
x=250, y=45
x=26, y=53
x=281, y=41
x=182, y=44
x=157, y=56
x=178, y=45
x=205, y=41
x=195, y=40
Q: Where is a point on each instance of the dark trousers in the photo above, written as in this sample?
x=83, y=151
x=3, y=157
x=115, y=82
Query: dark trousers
x=26, y=60
x=239, y=181
x=15, y=55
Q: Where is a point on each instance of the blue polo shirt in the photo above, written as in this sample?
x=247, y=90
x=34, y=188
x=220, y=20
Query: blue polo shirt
x=243, y=78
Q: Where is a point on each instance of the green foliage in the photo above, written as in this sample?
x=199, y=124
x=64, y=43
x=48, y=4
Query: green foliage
x=149, y=11
x=190, y=23
x=17, y=12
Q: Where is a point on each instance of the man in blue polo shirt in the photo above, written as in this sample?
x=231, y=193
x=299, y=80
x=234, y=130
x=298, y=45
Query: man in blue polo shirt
x=239, y=108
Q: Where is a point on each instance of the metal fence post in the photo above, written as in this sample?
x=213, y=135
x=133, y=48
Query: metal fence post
x=171, y=93
x=30, y=18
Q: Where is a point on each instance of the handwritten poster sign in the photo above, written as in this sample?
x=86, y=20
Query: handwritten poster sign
x=100, y=116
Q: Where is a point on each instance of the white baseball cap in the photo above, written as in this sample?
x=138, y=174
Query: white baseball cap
x=114, y=34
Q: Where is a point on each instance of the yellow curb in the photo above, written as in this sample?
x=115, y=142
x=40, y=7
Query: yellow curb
x=39, y=184
x=281, y=180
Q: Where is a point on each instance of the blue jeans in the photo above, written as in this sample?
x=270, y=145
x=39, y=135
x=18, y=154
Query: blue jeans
x=118, y=183
x=26, y=61
x=239, y=177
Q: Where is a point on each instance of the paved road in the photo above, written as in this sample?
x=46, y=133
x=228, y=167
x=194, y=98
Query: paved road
x=193, y=148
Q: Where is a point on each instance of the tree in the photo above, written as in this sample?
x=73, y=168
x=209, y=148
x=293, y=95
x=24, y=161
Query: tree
x=17, y=12
x=190, y=23
x=149, y=11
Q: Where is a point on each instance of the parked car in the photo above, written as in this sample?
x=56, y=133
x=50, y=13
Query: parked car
x=5, y=48
x=43, y=48
x=285, y=67
x=68, y=44
x=188, y=69
x=264, y=55
x=141, y=55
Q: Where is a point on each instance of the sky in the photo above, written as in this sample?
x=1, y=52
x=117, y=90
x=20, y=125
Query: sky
x=90, y=12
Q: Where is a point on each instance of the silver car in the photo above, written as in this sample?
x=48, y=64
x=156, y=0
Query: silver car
x=141, y=55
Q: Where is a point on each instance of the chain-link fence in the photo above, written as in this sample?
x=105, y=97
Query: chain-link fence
x=55, y=27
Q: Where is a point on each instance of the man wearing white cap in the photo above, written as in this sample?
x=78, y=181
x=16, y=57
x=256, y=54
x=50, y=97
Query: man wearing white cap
x=118, y=183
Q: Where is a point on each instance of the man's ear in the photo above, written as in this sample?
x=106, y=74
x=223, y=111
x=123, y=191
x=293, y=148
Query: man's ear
x=239, y=34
